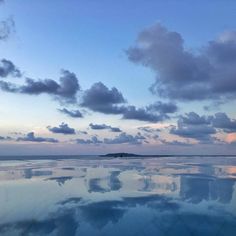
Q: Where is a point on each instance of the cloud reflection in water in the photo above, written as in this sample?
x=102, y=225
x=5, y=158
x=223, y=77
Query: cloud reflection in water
x=164, y=196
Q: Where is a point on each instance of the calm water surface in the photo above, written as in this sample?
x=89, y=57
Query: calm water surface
x=148, y=196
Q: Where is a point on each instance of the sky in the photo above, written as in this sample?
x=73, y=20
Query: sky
x=94, y=77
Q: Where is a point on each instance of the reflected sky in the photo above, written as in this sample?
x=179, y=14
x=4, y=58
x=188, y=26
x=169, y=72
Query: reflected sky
x=143, y=196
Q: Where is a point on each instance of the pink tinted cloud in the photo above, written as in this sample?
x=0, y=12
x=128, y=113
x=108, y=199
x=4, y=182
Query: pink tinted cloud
x=231, y=137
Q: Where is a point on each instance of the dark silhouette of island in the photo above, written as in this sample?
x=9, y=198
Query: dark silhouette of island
x=121, y=154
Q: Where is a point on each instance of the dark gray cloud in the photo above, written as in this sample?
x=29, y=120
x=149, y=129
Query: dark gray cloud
x=124, y=138
x=7, y=68
x=7, y=26
x=8, y=87
x=155, y=112
x=65, y=90
x=102, y=99
x=71, y=113
x=182, y=74
x=5, y=138
x=94, y=140
x=142, y=114
x=202, y=128
x=163, y=108
x=222, y=121
x=98, y=127
x=197, y=128
x=31, y=138
x=193, y=118
x=201, y=133
x=111, y=101
x=69, y=85
x=62, y=129
x=115, y=129
x=104, y=126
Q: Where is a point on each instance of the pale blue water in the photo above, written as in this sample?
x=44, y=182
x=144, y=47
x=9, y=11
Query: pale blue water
x=143, y=196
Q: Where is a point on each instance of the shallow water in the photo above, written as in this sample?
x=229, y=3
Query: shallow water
x=143, y=196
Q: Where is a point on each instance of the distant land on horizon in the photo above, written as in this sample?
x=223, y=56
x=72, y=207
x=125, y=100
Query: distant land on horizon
x=95, y=157
x=122, y=154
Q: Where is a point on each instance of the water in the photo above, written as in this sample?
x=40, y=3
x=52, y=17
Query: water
x=137, y=196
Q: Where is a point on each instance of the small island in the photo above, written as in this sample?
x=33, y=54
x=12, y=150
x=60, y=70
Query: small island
x=121, y=154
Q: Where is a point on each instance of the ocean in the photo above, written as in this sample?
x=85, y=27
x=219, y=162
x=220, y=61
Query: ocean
x=92, y=195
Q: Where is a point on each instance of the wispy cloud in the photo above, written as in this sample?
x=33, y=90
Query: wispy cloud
x=7, y=27
x=104, y=126
x=71, y=113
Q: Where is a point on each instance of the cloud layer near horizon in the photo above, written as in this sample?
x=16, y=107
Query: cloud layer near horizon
x=203, y=128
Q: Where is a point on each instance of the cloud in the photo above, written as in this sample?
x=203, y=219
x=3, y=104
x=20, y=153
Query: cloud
x=155, y=112
x=71, y=113
x=193, y=118
x=202, y=128
x=99, y=98
x=114, y=182
x=61, y=180
x=5, y=138
x=222, y=121
x=193, y=126
x=6, y=27
x=175, y=143
x=142, y=114
x=7, y=68
x=163, y=108
x=115, y=129
x=31, y=138
x=62, y=129
x=182, y=74
x=200, y=132
x=110, y=101
x=150, y=132
x=124, y=138
x=231, y=137
x=97, y=127
x=94, y=140
x=104, y=126
x=65, y=90
x=149, y=129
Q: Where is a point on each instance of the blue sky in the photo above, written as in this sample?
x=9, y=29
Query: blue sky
x=98, y=41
